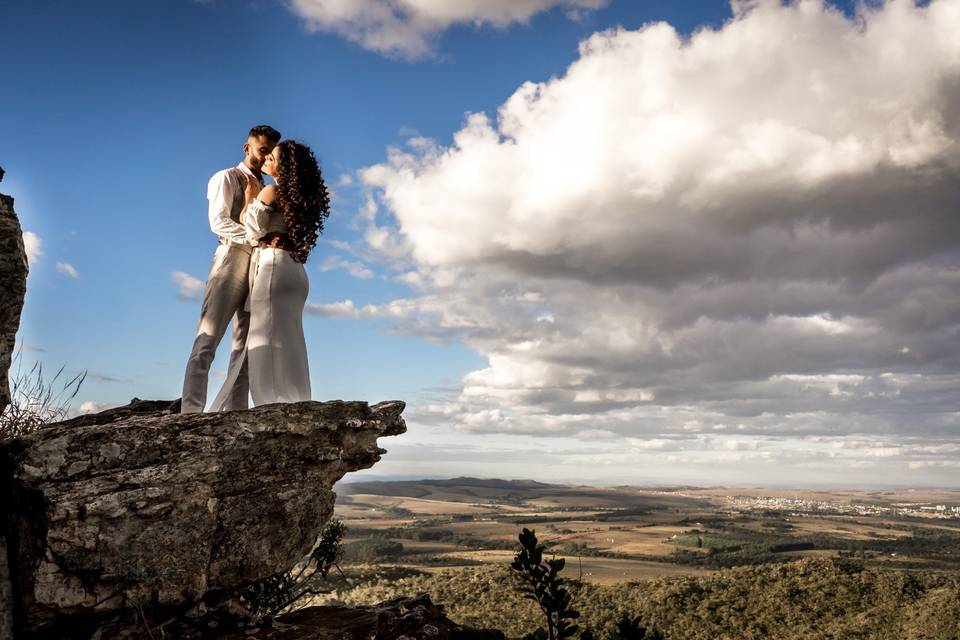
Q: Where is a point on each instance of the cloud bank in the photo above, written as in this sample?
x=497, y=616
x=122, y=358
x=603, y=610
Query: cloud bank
x=408, y=28
x=752, y=231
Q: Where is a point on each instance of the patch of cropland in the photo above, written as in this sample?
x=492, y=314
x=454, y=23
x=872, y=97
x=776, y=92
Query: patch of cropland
x=731, y=545
x=809, y=598
x=626, y=533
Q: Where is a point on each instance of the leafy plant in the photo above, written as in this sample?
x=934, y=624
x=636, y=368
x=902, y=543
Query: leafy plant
x=628, y=628
x=540, y=582
x=34, y=401
x=271, y=596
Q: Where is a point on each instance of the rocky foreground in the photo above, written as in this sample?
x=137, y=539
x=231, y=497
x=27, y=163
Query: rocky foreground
x=135, y=506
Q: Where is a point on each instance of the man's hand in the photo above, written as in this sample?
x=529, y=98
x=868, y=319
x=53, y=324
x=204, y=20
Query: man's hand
x=251, y=189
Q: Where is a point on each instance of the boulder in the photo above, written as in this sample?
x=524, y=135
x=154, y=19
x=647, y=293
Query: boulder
x=138, y=508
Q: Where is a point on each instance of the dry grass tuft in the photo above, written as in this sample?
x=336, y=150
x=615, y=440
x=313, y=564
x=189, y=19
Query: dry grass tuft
x=35, y=401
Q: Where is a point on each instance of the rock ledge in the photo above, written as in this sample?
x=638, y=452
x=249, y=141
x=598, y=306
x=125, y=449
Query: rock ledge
x=137, y=507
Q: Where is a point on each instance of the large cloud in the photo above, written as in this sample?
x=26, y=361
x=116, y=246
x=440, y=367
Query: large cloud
x=407, y=28
x=753, y=230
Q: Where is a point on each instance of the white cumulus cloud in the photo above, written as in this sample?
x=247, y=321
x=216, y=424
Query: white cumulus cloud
x=67, y=269
x=33, y=245
x=189, y=288
x=355, y=269
x=342, y=309
x=408, y=28
x=89, y=406
x=751, y=230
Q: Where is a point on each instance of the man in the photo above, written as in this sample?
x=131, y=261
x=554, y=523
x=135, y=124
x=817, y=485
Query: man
x=227, y=285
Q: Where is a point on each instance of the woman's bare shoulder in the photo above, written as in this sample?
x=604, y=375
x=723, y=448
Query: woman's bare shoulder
x=268, y=194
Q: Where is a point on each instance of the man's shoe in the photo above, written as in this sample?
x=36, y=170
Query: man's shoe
x=175, y=406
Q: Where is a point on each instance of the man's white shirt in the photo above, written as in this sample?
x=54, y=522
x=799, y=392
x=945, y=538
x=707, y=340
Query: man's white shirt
x=225, y=196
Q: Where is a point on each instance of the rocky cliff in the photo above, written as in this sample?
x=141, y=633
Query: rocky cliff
x=136, y=506
x=13, y=285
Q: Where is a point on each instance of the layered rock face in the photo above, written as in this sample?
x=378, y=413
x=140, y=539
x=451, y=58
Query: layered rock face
x=139, y=507
x=13, y=287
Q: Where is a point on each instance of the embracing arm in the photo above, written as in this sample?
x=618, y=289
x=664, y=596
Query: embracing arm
x=256, y=218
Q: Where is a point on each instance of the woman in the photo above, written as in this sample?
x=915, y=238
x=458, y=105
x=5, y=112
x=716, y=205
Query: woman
x=283, y=222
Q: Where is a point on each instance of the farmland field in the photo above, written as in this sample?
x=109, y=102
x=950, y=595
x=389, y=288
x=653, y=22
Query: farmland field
x=619, y=534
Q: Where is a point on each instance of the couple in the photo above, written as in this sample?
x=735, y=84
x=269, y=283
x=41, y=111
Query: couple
x=257, y=278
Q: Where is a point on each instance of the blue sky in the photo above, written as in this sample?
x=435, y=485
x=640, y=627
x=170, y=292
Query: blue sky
x=122, y=111
x=118, y=112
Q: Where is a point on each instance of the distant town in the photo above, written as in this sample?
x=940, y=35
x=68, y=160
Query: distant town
x=806, y=506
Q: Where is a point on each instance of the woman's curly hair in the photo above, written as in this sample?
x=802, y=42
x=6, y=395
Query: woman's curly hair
x=302, y=197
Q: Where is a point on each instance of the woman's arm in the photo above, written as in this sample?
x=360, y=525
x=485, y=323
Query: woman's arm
x=256, y=222
x=258, y=211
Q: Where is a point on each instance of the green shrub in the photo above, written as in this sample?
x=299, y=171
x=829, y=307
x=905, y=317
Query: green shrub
x=276, y=594
x=539, y=581
x=371, y=550
x=627, y=628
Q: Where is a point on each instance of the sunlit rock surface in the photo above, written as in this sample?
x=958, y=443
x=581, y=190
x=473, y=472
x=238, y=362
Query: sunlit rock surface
x=138, y=506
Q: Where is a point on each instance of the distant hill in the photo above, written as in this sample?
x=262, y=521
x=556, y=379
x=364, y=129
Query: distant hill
x=453, y=489
x=473, y=490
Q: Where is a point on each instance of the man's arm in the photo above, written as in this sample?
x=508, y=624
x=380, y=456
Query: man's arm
x=220, y=192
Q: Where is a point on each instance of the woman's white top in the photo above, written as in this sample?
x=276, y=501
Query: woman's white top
x=260, y=220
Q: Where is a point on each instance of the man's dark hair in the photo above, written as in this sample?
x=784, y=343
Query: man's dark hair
x=265, y=130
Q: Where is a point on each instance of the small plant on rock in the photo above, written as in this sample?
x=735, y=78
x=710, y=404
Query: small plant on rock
x=35, y=401
x=271, y=596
